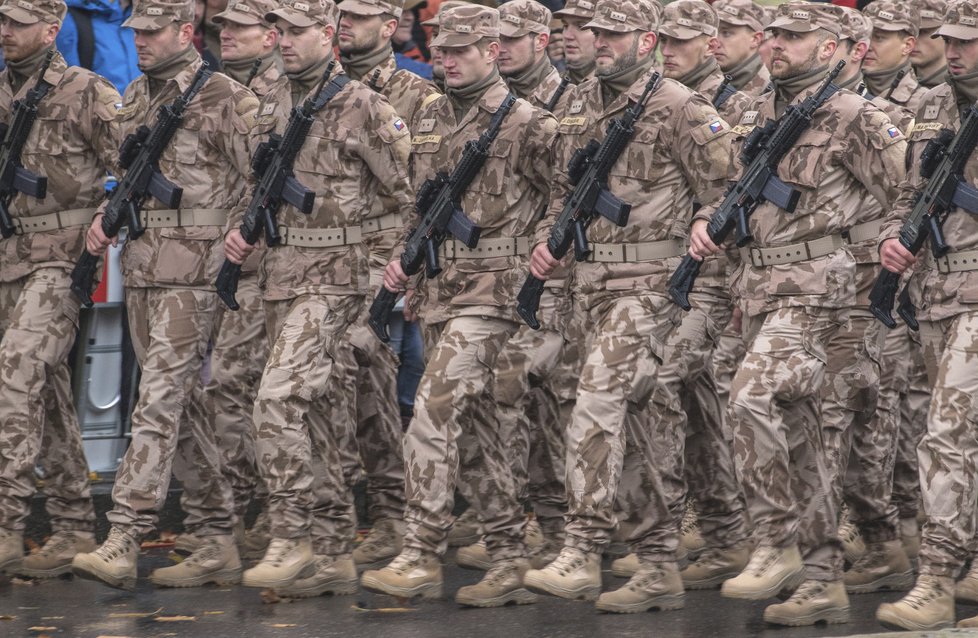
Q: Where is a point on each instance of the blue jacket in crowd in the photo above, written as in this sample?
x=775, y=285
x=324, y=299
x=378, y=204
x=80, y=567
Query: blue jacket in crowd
x=92, y=30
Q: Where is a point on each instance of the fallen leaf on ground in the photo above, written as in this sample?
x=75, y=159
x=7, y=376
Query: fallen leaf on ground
x=6, y=617
x=134, y=614
x=16, y=580
x=52, y=617
x=175, y=618
x=213, y=613
x=42, y=629
x=282, y=625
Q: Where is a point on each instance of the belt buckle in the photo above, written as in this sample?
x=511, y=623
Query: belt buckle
x=756, y=257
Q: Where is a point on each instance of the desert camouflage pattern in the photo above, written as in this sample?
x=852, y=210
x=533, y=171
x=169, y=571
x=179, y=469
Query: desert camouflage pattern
x=538, y=84
x=751, y=76
x=267, y=77
x=707, y=82
x=908, y=92
x=914, y=403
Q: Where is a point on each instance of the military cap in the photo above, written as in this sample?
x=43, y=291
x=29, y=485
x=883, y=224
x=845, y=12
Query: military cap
x=894, y=15
x=153, y=15
x=687, y=19
x=624, y=16
x=855, y=26
x=373, y=7
x=442, y=8
x=577, y=9
x=932, y=13
x=960, y=21
x=518, y=18
x=741, y=13
x=805, y=17
x=305, y=13
x=465, y=25
x=34, y=11
x=247, y=12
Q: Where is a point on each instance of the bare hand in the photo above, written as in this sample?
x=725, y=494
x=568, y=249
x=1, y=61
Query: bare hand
x=95, y=239
x=236, y=249
x=542, y=263
x=894, y=257
x=700, y=244
x=394, y=278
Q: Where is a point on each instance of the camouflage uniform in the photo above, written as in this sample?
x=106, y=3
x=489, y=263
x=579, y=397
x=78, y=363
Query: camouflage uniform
x=73, y=144
x=900, y=16
x=794, y=308
x=749, y=75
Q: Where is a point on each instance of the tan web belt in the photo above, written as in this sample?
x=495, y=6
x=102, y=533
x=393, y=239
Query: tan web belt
x=637, y=252
x=172, y=218
x=865, y=231
x=385, y=222
x=55, y=221
x=804, y=251
x=958, y=262
x=320, y=237
x=500, y=247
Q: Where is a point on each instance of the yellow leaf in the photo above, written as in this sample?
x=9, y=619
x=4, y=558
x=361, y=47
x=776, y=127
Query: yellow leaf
x=213, y=613
x=175, y=618
x=42, y=629
x=6, y=617
x=282, y=625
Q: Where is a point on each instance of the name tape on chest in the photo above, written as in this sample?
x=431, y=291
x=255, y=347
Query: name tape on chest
x=573, y=121
x=426, y=139
x=927, y=126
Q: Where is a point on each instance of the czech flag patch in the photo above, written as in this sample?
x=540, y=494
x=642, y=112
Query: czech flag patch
x=893, y=132
x=716, y=127
x=398, y=124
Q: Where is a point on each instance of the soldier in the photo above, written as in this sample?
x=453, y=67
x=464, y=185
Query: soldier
x=437, y=70
x=679, y=150
x=795, y=285
x=739, y=37
x=927, y=56
x=578, y=41
x=72, y=143
x=365, y=363
x=524, y=31
x=896, y=25
x=249, y=45
x=169, y=274
x=944, y=292
x=314, y=283
x=469, y=315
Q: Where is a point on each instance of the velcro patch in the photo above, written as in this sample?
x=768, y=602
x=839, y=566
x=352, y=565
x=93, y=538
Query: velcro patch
x=426, y=139
x=927, y=126
x=573, y=121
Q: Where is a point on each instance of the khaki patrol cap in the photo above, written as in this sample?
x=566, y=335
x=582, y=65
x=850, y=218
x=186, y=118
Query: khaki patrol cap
x=894, y=15
x=442, y=8
x=741, y=13
x=34, y=11
x=805, y=17
x=687, y=19
x=932, y=13
x=153, y=15
x=465, y=25
x=960, y=21
x=518, y=18
x=855, y=26
x=625, y=16
x=305, y=13
x=247, y=12
x=373, y=7
x=577, y=9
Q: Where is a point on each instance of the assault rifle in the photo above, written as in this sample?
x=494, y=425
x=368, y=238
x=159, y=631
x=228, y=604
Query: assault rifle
x=14, y=177
x=139, y=155
x=438, y=202
x=272, y=166
x=588, y=170
x=942, y=165
x=763, y=150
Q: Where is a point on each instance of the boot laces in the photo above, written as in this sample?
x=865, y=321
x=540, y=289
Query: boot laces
x=406, y=560
x=59, y=542
x=646, y=576
x=568, y=561
x=762, y=559
x=208, y=551
x=499, y=572
x=924, y=592
x=117, y=544
x=279, y=549
x=808, y=590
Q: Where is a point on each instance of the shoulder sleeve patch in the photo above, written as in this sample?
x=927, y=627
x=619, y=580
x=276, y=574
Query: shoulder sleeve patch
x=107, y=101
x=705, y=133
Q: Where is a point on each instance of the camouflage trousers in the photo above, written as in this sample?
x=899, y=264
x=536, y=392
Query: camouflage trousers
x=454, y=440
x=170, y=329
x=860, y=424
x=610, y=425
x=226, y=403
x=366, y=376
x=297, y=446
x=776, y=423
x=914, y=404
x=38, y=323
x=948, y=452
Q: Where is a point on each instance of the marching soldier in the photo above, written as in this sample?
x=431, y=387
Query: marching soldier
x=896, y=25
x=927, y=56
x=578, y=41
x=524, y=31
x=739, y=38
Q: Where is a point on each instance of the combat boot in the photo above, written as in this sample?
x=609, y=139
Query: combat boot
x=574, y=574
x=286, y=559
x=11, y=550
x=257, y=538
x=335, y=575
x=502, y=584
x=412, y=573
x=715, y=565
x=929, y=605
x=215, y=561
x=910, y=536
x=966, y=589
x=187, y=543
x=654, y=586
x=884, y=566
x=466, y=530
x=54, y=557
x=475, y=556
x=814, y=601
x=626, y=566
x=691, y=538
x=533, y=534
x=381, y=544
x=113, y=562
x=769, y=570
x=546, y=553
x=853, y=545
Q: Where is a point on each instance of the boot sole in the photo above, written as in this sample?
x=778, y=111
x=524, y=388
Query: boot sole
x=126, y=583
x=344, y=588
x=587, y=593
x=791, y=581
x=828, y=616
x=660, y=603
x=306, y=572
x=12, y=565
x=892, y=621
x=54, y=572
x=427, y=591
x=890, y=582
x=517, y=597
x=223, y=578
x=710, y=583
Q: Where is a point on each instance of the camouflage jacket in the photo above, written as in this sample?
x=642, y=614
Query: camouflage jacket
x=679, y=152
x=74, y=143
x=752, y=77
x=908, y=92
x=357, y=147
x=937, y=295
x=265, y=80
x=504, y=198
x=847, y=155
x=733, y=107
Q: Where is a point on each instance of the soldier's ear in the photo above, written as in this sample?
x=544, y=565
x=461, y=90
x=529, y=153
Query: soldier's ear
x=50, y=34
x=541, y=41
x=713, y=44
